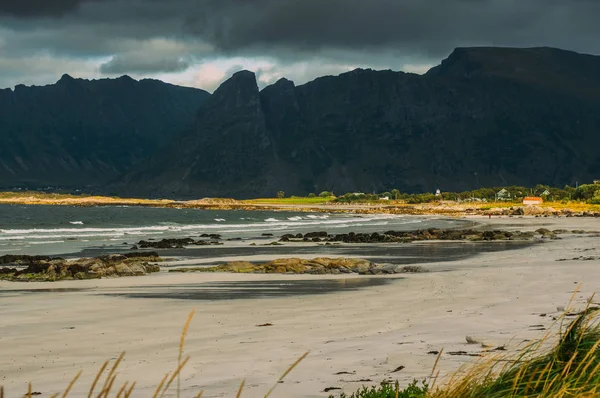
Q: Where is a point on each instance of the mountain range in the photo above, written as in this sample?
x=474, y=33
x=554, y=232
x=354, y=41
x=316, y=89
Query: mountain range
x=483, y=117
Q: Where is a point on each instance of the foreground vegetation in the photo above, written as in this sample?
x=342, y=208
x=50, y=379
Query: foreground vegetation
x=571, y=368
x=589, y=193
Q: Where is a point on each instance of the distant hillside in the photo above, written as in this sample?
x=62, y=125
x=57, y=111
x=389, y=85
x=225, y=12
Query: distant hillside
x=77, y=132
x=485, y=116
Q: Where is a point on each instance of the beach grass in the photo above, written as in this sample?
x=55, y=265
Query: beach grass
x=570, y=367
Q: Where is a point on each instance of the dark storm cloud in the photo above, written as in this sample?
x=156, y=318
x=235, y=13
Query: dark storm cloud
x=430, y=28
x=335, y=34
x=36, y=8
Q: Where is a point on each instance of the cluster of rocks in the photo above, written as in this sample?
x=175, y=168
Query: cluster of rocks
x=179, y=243
x=537, y=211
x=318, y=266
x=410, y=236
x=42, y=268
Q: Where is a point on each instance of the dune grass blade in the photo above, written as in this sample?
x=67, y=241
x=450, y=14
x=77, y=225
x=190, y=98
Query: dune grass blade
x=130, y=391
x=160, y=386
x=177, y=371
x=98, y=375
x=70, y=386
x=181, y=344
x=239, y=393
x=109, y=377
x=104, y=393
x=286, y=373
x=121, y=391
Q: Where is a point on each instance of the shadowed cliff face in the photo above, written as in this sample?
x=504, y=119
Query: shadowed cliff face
x=78, y=132
x=227, y=151
x=484, y=117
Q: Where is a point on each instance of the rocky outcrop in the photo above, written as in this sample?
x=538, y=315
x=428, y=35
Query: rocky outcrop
x=229, y=142
x=179, y=243
x=35, y=268
x=410, y=236
x=318, y=266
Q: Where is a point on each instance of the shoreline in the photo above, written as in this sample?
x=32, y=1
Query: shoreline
x=443, y=208
x=497, y=297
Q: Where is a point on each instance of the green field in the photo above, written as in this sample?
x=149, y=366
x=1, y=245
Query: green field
x=294, y=200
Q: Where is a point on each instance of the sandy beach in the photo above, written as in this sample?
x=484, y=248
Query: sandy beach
x=50, y=331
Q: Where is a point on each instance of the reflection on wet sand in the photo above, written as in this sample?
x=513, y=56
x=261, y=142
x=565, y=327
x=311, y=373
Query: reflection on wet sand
x=251, y=290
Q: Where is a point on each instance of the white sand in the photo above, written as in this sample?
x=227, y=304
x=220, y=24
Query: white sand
x=46, y=337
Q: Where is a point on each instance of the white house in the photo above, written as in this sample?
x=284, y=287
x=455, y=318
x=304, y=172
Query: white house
x=502, y=194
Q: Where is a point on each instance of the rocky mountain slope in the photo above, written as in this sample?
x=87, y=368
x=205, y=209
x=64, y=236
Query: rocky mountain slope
x=484, y=117
x=77, y=132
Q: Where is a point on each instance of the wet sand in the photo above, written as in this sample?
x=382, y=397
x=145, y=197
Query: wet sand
x=366, y=328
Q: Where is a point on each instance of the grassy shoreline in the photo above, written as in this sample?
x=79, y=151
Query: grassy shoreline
x=302, y=204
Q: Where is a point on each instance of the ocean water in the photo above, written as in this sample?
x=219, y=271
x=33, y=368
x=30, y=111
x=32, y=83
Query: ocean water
x=64, y=229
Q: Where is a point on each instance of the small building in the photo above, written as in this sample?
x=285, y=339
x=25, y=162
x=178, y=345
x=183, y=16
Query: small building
x=384, y=198
x=533, y=200
x=596, y=182
x=503, y=194
x=438, y=192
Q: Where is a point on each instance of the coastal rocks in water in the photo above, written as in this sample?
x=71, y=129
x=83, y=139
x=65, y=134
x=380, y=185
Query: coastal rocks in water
x=318, y=266
x=178, y=243
x=33, y=268
x=411, y=236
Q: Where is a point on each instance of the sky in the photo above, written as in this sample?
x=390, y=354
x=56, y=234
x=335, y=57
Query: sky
x=200, y=43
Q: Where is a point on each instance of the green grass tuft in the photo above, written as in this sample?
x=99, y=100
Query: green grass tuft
x=414, y=390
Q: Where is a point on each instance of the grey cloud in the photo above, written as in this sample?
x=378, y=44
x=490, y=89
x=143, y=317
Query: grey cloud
x=122, y=64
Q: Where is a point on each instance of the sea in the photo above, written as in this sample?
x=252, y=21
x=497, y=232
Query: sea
x=62, y=230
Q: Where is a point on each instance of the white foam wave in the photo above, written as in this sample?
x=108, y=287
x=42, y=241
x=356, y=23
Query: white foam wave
x=219, y=219
x=311, y=221
x=323, y=217
x=76, y=222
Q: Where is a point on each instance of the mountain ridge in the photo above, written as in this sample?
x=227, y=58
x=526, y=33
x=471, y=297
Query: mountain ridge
x=484, y=116
x=80, y=132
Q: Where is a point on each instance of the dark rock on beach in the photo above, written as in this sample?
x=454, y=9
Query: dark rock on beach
x=412, y=236
x=38, y=268
x=317, y=266
x=178, y=243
